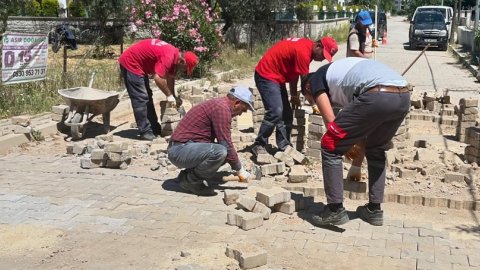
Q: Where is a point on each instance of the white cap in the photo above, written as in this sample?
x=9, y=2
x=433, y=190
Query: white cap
x=244, y=94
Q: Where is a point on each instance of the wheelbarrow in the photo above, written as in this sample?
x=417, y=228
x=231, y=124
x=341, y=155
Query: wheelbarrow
x=86, y=103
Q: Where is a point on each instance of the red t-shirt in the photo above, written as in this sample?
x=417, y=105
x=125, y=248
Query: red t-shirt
x=150, y=56
x=286, y=60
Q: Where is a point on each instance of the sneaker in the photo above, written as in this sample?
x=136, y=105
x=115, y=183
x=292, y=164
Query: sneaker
x=197, y=188
x=148, y=136
x=258, y=149
x=327, y=217
x=374, y=217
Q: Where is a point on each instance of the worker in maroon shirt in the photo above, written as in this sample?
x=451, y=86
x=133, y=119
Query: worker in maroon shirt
x=162, y=60
x=283, y=63
x=202, y=141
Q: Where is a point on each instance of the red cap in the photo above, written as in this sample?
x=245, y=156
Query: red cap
x=330, y=47
x=191, y=60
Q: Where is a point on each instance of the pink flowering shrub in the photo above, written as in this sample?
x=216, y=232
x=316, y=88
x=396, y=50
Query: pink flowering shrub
x=188, y=25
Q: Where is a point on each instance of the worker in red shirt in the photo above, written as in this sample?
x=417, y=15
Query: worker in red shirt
x=202, y=141
x=162, y=60
x=283, y=63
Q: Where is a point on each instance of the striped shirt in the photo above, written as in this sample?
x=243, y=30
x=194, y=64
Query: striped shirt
x=209, y=121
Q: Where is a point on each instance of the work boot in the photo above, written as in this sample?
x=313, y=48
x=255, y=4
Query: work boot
x=374, y=217
x=148, y=136
x=195, y=187
x=258, y=149
x=327, y=217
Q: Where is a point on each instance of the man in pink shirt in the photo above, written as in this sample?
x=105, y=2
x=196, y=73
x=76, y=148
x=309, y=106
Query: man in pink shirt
x=284, y=63
x=162, y=60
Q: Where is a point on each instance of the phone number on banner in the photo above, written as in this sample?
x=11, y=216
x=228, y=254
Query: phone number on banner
x=28, y=74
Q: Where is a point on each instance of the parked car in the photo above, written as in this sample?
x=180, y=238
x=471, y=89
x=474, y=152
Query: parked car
x=428, y=27
x=381, y=23
x=446, y=11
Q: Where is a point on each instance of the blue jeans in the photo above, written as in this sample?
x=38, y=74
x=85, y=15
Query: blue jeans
x=278, y=113
x=140, y=94
x=201, y=160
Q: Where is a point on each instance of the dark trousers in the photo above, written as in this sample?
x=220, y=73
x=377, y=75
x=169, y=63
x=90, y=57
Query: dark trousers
x=373, y=116
x=138, y=88
x=278, y=113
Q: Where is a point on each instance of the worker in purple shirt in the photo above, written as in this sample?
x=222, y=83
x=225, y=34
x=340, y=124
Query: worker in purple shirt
x=202, y=141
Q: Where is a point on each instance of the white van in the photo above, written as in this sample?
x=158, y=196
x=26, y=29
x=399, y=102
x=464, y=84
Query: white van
x=446, y=11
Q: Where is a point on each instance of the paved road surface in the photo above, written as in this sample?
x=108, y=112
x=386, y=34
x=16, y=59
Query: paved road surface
x=54, y=215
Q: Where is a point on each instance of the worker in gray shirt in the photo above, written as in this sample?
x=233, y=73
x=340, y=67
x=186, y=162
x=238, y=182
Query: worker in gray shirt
x=375, y=100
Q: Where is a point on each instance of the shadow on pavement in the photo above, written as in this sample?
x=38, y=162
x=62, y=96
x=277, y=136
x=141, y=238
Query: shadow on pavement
x=128, y=134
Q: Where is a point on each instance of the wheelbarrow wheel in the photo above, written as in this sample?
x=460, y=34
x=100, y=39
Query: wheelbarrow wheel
x=77, y=131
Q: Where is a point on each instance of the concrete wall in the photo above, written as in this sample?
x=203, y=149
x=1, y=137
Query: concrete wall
x=465, y=36
x=264, y=31
x=86, y=29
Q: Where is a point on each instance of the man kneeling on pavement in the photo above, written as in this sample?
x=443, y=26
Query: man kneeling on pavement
x=375, y=100
x=192, y=145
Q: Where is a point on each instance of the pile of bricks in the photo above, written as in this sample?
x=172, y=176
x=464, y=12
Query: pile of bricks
x=472, y=151
x=255, y=210
x=21, y=124
x=297, y=136
x=467, y=115
x=60, y=112
x=102, y=152
x=259, y=112
x=316, y=129
x=169, y=118
x=401, y=136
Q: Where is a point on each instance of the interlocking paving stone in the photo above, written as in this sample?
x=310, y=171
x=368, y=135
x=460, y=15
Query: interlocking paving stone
x=453, y=259
x=424, y=255
x=426, y=265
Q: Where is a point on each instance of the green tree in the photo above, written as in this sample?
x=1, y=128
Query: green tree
x=188, y=25
x=32, y=8
x=50, y=8
x=76, y=9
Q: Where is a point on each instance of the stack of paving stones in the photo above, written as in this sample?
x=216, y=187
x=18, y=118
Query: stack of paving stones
x=431, y=109
x=21, y=124
x=399, y=140
x=472, y=151
x=316, y=129
x=248, y=255
x=102, y=152
x=252, y=211
x=169, y=118
x=60, y=112
x=467, y=116
x=297, y=136
x=259, y=113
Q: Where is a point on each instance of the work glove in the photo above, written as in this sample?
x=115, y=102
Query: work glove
x=295, y=101
x=354, y=173
x=354, y=152
x=315, y=109
x=374, y=43
x=243, y=175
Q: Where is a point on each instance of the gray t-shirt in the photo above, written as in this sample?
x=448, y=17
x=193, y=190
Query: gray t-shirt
x=347, y=78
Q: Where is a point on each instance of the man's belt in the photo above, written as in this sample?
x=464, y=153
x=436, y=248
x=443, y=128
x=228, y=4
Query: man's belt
x=389, y=89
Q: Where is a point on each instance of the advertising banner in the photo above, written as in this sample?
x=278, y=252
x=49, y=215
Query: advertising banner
x=24, y=57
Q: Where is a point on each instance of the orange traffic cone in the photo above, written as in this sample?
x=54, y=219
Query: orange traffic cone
x=384, y=39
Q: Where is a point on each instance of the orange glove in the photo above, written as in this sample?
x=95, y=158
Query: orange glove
x=315, y=109
x=374, y=43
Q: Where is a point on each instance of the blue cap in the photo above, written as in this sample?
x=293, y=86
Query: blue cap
x=244, y=94
x=364, y=17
